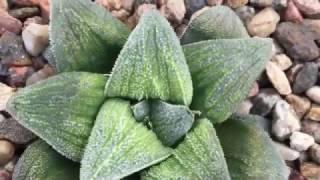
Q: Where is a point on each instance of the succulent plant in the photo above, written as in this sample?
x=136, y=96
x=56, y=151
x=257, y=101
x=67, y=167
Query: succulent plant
x=159, y=114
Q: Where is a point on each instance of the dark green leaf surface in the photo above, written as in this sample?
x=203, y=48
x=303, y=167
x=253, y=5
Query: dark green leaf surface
x=118, y=145
x=151, y=65
x=84, y=36
x=198, y=157
x=41, y=162
x=61, y=110
x=249, y=151
x=218, y=22
x=141, y=111
x=223, y=72
x=170, y=122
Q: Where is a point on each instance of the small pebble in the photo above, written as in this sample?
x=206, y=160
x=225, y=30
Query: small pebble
x=254, y=89
x=292, y=13
x=278, y=78
x=194, y=5
x=310, y=171
x=314, y=26
x=261, y=3
x=306, y=78
x=293, y=71
x=283, y=61
x=36, y=38
x=236, y=3
x=121, y=14
x=25, y=12
x=10, y=129
x=18, y=75
x=263, y=23
x=285, y=121
x=4, y=5
x=34, y=19
x=287, y=153
x=301, y=105
x=276, y=48
x=308, y=7
x=312, y=128
x=298, y=41
x=314, y=113
x=264, y=101
x=244, y=107
x=42, y=74
x=245, y=13
x=4, y=175
x=314, y=94
x=174, y=11
x=214, y=2
x=300, y=141
x=314, y=153
x=6, y=93
x=9, y=23
x=7, y=150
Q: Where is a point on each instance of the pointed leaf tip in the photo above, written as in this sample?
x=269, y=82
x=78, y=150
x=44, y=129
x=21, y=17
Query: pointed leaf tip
x=61, y=110
x=199, y=156
x=151, y=65
x=84, y=36
x=218, y=22
x=119, y=146
x=223, y=72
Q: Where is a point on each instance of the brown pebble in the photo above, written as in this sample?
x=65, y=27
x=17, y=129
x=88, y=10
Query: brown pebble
x=7, y=150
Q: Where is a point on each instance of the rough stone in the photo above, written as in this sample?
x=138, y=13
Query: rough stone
x=254, y=89
x=314, y=26
x=310, y=171
x=278, y=78
x=43, y=4
x=11, y=130
x=314, y=113
x=245, y=13
x=42, y=74
x=285, y=121
x=236, y=3
x=4, y=5
x=9, y=23
x=6, y=93
x=244, y=107
x=36, y=38
x=264, y=102
x=261, y=3
x=263, y=23
x=18, y=75
x=174, y=11
x=214, y=2
x=301, y=105
x=121, y=14
x=287, y=153
x=7, y=150
x=4, y=175
x=300, y=141
x=34, y=19
x=293, y=71
x=25, y=12
x=314, y=94
x=194, y=5
x=308, y=7
x=314, y=153
x=292, y=13
x=297, y=40
x=282, y=60
x=312, y=128
x=276, y=48
x=12, y=51
x=306, y=78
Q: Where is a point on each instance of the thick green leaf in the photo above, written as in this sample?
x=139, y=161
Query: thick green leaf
x=218, y=22
x=223, y=72
x=249, y=151
x=151, y=65
x=198, y=157
x=170, y=122
x=84, y=36
x=41, y=162
x=118, y=145
x=61, y=110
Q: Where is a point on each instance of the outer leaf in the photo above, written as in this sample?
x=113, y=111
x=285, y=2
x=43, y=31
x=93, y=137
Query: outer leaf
x=218, y=22
x=249, y=151
x=61, y=110
x=41, y=162
x=223, y=72
x=84, y=36
x=118, y=145
x=151, y=65
x=199, y=156
x=170, y=122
